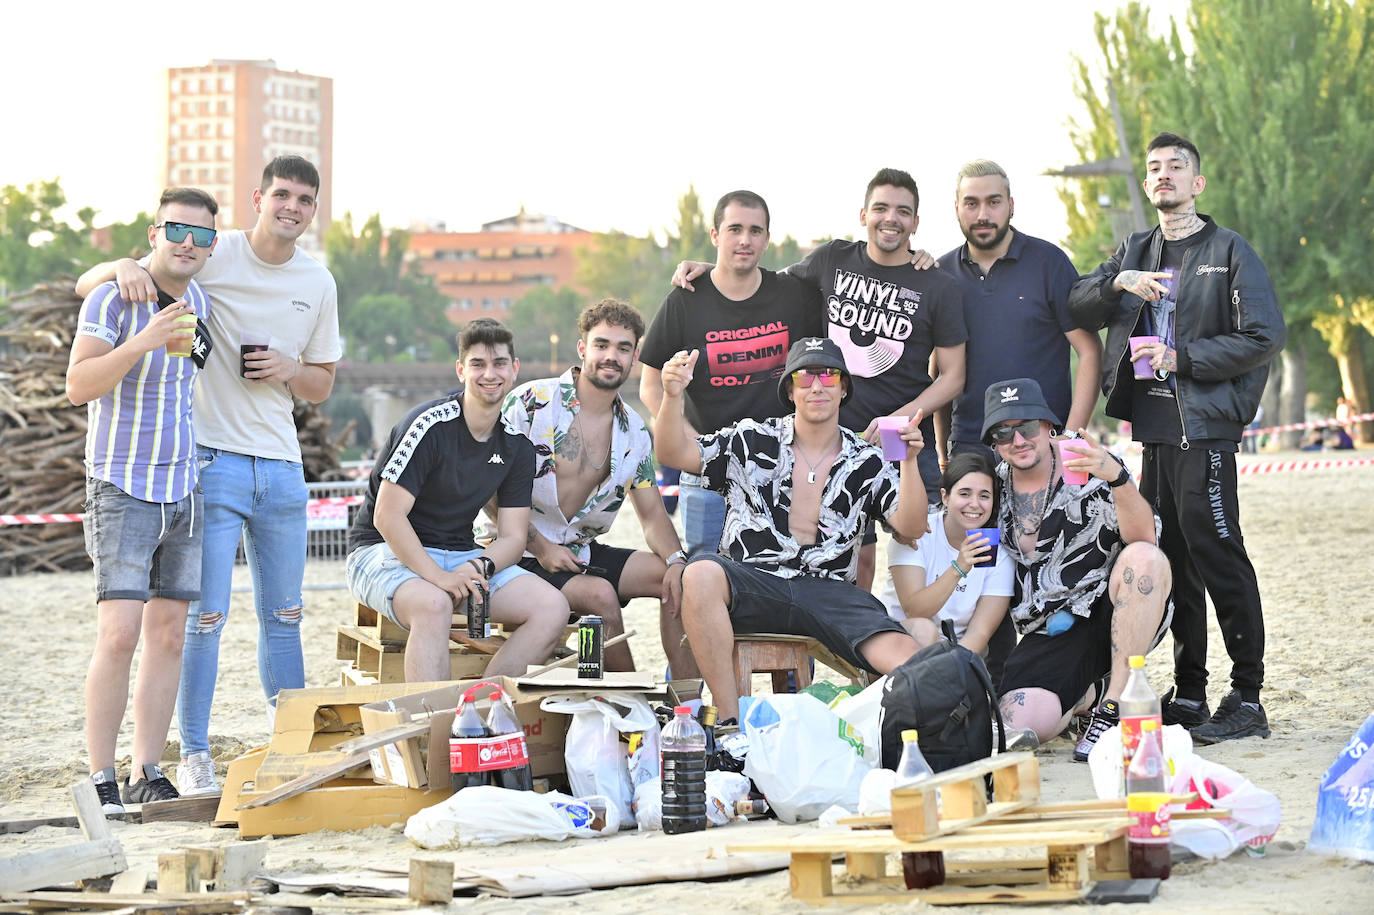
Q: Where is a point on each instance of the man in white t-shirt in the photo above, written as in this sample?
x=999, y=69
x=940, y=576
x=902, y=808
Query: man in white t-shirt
x=273, y=335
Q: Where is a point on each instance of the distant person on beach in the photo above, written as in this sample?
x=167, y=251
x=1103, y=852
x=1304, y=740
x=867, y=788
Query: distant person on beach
x=592, y=452
x=275, y=332
x=134, y=363
x=742, y=318
x=412, y=555
x=1091, y=586
x=800, y=491
x=1203, y=292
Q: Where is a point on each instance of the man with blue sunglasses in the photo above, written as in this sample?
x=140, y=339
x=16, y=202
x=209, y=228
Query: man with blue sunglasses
x=259, y=281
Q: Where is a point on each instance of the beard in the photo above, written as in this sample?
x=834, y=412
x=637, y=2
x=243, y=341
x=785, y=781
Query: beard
x=998, y=235
x=606, y=385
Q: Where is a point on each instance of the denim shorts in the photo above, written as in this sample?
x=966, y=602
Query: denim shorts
x=375, y=574
x=142, y=549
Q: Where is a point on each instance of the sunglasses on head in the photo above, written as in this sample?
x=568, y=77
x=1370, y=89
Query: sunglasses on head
x=1029, y=428
x=804, y=378
x=201, y=237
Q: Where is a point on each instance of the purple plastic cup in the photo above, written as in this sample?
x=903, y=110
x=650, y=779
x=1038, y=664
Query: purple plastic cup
x=890, y=434
x=994, y=535
x=1068, y=453
x=1143, y=369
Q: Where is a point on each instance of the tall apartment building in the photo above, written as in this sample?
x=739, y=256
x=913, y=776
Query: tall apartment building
x=484, y=273
x=229, y=118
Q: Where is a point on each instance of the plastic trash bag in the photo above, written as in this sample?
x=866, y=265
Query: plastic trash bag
x=1345, y=801
x=863, y=712
x=596, y=757
x=1255, y=813
x=723, y=791
x=875, y=792
x=648, y=804
x=1104, y=760
x=487, y=815
x=805, y=761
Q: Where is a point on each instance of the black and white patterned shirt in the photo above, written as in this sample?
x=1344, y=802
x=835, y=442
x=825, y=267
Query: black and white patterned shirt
x=750, y=466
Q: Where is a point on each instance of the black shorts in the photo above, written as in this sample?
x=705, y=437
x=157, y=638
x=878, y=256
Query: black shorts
x=1068, y=663
x=611, y=559
x=834, y=613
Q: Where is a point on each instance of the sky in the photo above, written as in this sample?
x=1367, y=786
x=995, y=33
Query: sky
x=601, y=114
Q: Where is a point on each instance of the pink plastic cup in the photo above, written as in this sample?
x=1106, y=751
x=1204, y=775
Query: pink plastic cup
x=1068, y=453
x=890, y=433
x=1143, y=369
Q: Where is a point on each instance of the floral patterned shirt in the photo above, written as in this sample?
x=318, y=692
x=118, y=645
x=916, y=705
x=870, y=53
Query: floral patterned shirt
x=750, y=466
x=544, y=410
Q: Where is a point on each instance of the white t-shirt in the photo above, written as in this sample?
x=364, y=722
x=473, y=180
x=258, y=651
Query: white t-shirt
x=297, y=304
x=934, y=554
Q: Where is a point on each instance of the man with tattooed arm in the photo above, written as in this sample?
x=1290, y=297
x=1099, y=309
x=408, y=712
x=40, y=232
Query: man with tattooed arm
x=1091, y=586
x=1194, y=299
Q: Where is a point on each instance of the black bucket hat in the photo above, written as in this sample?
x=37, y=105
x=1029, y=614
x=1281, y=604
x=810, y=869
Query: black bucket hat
x=1019, y=398
x=821, y=352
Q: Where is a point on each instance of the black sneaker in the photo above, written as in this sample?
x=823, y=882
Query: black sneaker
x=1175, y=713
x=1104, y=716
x=107, y=789
x=153, y=786
x=1234, y=719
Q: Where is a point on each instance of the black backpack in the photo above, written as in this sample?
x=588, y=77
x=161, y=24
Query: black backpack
x=945, y=693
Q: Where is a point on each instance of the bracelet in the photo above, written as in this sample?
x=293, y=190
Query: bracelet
x=485, y=566
x=678, y=558
x=954, y=564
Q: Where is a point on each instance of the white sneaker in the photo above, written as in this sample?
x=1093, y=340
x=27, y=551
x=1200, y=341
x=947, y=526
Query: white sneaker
x=196, y=775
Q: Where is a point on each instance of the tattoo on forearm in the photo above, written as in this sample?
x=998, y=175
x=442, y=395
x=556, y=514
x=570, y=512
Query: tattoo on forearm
x=1145, y=585
x=1128, y=575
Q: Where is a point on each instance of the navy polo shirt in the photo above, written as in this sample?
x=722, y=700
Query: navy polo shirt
x=1017, y=316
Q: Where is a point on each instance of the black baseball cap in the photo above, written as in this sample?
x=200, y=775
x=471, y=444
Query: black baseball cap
x=1019, y=398
x=814, y=352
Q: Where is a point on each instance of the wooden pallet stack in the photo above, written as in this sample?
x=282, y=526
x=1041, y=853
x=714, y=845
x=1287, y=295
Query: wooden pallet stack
x=373, y=649
x=1011, y=849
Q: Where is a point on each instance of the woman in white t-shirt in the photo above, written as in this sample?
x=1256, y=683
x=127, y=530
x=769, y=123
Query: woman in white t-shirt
x=938, y=579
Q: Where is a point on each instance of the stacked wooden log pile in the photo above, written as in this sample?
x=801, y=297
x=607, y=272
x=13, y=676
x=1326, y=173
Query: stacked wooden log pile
x=43, y=437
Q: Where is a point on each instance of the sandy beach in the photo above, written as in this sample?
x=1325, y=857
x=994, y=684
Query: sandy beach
x=1309, y=533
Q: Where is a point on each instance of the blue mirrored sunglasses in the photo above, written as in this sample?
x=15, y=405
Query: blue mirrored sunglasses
x=201, y=237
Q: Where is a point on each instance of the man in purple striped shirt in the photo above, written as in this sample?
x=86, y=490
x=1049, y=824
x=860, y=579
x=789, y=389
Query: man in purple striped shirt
x=134, y=365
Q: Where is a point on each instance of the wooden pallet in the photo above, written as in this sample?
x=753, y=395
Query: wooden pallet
x=383, y=660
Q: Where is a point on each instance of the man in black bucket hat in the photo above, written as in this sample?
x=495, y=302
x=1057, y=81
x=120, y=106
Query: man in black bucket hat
x=1091, y=585
x=799, y=491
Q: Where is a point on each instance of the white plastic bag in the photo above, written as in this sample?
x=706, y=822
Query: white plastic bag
x=1255, y=813
x=802, y=762
x=487, y=815
x=595, y=756
x=649, y=805
x=1104, y=760
x=723, y=791
x=875, y=793
x=863, y=712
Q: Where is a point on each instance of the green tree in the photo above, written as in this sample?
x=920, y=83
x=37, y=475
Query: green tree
x=388, y=308
x=1283, y=112
x=537, y=316
x=34, y=245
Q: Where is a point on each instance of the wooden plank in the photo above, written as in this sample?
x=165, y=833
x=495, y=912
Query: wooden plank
x=1031, y=835
x=89, y=812
x=1067, y=867
x=336, y=769
x=178, y=872
x=863, y=864
x=198, y=808
x=809, y=876
x=135, y=901
x=133, y=880
x=55, y=866
x=279, y=769
x=431, y=881
x=239, y=864
x=66, y=821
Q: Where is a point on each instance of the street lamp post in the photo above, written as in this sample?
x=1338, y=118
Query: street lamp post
x=553, y=354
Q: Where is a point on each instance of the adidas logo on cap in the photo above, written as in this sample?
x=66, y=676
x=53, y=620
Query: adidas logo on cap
x=1010, y=394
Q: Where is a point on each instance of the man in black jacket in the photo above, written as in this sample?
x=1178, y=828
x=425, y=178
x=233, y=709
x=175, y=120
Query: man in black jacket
x=1201, y=299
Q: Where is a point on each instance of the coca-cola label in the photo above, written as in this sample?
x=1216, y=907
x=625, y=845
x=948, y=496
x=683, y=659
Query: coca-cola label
x=483, y=754
x=1149, y=813
x=1131, y=727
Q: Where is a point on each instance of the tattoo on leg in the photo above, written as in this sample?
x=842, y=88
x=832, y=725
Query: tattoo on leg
x=1128, y=575
x=1145, y=585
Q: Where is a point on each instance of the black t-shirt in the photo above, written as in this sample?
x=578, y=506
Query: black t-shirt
x=743, y=345
x=886, y=320
x=433, y=456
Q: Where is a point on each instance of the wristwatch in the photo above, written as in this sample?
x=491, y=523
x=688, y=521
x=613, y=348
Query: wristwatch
x=1122, y=479
x=679, y=557
x=487, y=565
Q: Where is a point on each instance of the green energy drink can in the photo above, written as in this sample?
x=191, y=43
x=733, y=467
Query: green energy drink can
x=591, y=648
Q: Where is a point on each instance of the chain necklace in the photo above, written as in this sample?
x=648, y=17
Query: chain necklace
x=1038, y=503
x=586, y=441
x=811, y=477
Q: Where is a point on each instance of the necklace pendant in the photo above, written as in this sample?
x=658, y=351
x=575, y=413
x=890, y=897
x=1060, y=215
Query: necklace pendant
x=811, y=477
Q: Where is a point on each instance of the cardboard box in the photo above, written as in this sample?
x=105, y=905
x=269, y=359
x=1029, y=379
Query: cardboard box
x=421, y=762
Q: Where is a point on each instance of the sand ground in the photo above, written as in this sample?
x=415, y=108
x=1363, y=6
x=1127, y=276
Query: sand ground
x=1309, y=533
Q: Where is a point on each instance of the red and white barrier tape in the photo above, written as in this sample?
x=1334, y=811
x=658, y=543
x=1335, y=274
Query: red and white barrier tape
x=59, y=519
x=1283, y=466
x=1314, y=424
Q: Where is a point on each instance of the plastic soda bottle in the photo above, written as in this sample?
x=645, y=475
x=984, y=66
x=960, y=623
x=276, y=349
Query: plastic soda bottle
x=684, y=773
x=1147, y=802
x=501, y=720
x=468, y=723
x=1139, y=704
x=920, y=869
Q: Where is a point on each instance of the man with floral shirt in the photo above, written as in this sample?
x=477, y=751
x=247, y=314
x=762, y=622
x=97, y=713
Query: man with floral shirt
x=800, y=490
x=591, y=451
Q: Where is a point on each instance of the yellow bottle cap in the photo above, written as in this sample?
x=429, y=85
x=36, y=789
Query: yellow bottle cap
x=1136, y=660
x=909, y=735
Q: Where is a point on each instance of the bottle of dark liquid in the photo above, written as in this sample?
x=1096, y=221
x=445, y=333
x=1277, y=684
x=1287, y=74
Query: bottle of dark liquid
x=501, y=720
x=921, y=869
x=467, y=723
x=684, y=774
x=1147, y=802
x=707, y=718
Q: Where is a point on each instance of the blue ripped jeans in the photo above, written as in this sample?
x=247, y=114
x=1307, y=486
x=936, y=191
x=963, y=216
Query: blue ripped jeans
x=263, y=500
